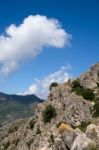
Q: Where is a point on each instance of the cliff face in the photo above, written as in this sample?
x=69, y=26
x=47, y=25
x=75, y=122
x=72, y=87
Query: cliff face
x=70, y=108
x=90, y=79
x=63, y=132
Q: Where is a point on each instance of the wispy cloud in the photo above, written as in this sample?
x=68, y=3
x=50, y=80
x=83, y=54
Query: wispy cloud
x=41, y=87
x=27, y=40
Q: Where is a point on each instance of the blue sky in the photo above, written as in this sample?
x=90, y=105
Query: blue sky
x=80, y=18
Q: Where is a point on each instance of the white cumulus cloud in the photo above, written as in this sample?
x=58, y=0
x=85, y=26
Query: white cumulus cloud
x=41, y=87
x=27, y=40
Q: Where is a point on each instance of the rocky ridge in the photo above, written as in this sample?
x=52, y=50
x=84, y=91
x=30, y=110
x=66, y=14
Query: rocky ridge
x=90, y=79
x=63, y=132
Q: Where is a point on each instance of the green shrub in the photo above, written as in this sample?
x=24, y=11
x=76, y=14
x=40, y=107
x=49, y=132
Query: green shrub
x=49, y=113
x=38, y=131
x=16, y=142
x=77, y=90
x=31, y=123
x=54, y=84
x=6, y=145
x=83, y=125
x=96, y=109
x=76, y=87
x=13, y=128
x=88, y=94
x=76, y=84
x=97, y=85
x=84, y=92
x=52, y=138
x=92, y=147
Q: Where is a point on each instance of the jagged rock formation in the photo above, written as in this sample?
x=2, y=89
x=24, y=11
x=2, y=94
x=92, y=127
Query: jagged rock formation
x=71, y=108
x=61, y=133
x=90, y=79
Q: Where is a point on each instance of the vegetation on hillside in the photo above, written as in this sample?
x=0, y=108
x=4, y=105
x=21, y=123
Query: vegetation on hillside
x=83, y=125
x=6, y=145
x=54, y=84
x=96, y=108
x=31, y=123
x=11, y=110
x=13, y=128
x=49, y=113
x=86, y=93
x=97, y=85
x=92, y=147
x=38, y=131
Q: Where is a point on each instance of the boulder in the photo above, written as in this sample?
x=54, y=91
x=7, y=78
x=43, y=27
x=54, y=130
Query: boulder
x=81, y=142
x=92, y=132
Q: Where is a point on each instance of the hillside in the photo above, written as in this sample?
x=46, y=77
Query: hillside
x=68, y=120
x=16, y=106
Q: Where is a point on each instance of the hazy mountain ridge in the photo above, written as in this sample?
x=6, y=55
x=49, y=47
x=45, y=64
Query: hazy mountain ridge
x=21, y=98
x=64, y=122
x=16, y=106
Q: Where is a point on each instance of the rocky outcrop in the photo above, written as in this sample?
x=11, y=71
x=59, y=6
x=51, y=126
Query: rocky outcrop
x=92, y=132
x=71, y=110
x=90, y=79
x=81, y=142
x=62, y=132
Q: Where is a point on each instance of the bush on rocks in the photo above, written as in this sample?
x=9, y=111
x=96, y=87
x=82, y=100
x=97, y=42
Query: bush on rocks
x=49, y=113
x=54, y=84
x=84, y=92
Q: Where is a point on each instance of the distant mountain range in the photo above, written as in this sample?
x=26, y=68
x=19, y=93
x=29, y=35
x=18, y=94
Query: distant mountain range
x=17, y=106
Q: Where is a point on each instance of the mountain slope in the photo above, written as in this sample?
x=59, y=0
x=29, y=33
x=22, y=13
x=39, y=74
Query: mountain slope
x=64, y=122
x=16, y=106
